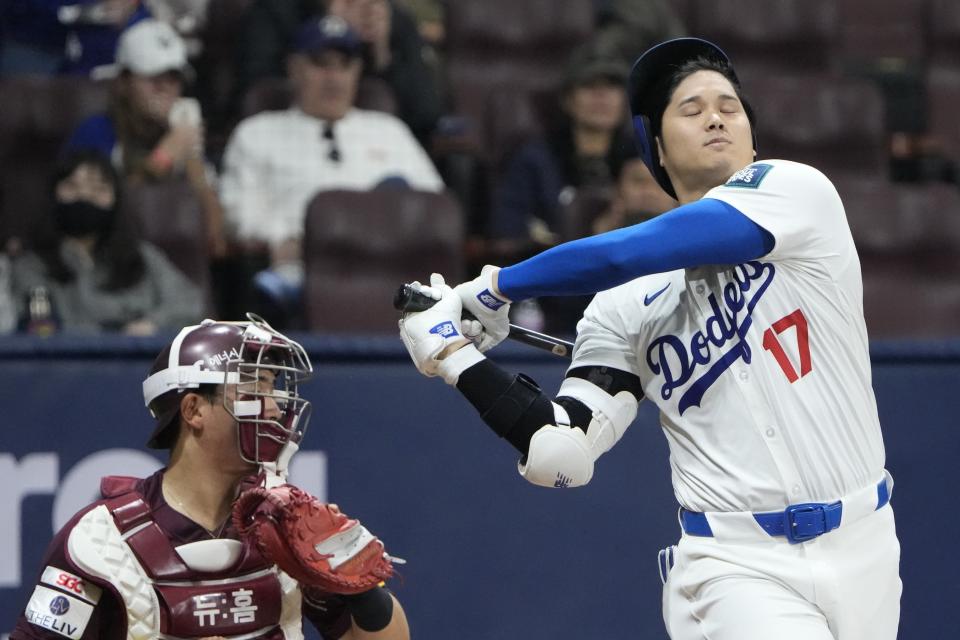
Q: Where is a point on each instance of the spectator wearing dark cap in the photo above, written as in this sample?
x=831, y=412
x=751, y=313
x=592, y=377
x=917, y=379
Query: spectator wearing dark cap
x=392, y=50
x=587, y=148
x=277, y=160
x=151, y=132
x=571, y=171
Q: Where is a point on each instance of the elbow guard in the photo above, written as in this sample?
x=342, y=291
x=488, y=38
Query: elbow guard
x=563, y=456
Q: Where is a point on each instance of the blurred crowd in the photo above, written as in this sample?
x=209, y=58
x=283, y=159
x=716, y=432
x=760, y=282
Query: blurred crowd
x=187, y=191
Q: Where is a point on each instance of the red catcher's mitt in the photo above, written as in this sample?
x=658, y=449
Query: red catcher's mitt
x=311, y=541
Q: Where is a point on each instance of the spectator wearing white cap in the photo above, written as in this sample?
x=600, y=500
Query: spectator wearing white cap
x=276, y=161
x=151, y=131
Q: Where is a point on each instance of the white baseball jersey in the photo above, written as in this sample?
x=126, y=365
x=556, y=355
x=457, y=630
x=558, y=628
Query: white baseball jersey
x=761, y=371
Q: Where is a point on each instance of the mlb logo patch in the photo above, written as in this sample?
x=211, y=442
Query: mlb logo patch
x=749, y=177
x=445, y=329
x=489, y=300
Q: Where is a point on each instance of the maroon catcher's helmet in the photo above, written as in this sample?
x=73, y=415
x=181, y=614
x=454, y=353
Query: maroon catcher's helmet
x=233, y=354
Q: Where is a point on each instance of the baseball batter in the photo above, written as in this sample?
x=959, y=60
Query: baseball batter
x=161, y=557
x=740, y=315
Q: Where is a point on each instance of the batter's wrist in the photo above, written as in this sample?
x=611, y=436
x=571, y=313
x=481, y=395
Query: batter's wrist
x=459, y=361
x=495, y=286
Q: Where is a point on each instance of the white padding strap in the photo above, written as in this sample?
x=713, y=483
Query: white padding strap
x=606, y=429
x=593, y=396
x=218, y=554
x=611, y=414
x=276, y=472
x=254, y=333
x=243, y=408
x=183, y=377
x=457, y=362
x=345, y=545
x=560, y=415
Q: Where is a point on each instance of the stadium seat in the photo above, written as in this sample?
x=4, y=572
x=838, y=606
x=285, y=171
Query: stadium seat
x=222, y=36
x=38, y=114
x=778, y=33
x=833, y=123
x=943, y=99
x=169, y=216
x=578, y=215
x=892, y=31
x=505, y=26
x=359, y=246
x=944, y=27
x=513, y=117
x=908, y=240
x=501, y=47
x=943, y=74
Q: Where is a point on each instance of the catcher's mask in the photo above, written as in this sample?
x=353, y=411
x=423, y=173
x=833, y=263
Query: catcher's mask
x=242, y=357
x=649, y=84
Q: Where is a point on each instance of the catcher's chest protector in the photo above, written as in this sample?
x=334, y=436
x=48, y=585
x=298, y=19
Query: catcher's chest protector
x=163, y=596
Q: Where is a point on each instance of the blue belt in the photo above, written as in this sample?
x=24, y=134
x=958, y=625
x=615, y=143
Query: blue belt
x=798, y=522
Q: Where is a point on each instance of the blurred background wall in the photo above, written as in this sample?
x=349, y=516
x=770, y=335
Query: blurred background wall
x=868, y=91
x=489, y=555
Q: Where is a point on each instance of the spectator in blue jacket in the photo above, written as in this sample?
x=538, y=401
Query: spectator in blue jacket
x=587, y=149
x=63, y=36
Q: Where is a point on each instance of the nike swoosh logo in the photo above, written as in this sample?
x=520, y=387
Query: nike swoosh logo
x=650, y=297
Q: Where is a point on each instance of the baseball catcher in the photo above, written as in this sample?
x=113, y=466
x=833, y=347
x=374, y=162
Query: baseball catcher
x=216, y=544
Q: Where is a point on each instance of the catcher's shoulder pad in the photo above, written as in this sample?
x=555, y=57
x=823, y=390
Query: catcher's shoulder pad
x=96, y=546
x=114, y=486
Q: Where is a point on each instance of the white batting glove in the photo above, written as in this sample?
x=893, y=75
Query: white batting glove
x=490, y=309
x=426, y=334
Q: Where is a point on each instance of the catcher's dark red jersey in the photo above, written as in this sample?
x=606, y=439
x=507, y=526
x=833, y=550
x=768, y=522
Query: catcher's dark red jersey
x=120, y=567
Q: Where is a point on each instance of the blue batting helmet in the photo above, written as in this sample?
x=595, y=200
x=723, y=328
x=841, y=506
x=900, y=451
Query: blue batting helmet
x=648, y=84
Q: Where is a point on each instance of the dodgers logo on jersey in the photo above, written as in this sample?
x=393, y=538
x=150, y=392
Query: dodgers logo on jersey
x=678, y=362
x=749, y=177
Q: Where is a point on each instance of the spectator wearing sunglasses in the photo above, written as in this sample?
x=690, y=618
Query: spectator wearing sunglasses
x=276, y=161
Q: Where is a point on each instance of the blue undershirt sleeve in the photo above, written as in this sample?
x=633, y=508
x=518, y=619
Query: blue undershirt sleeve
x=707, y=231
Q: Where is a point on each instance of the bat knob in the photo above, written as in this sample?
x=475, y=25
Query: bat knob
x=408, y=299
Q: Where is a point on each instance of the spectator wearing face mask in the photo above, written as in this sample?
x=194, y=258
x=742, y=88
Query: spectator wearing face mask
x=96, y=274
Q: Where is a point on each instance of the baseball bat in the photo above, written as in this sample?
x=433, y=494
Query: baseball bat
x=408, y=299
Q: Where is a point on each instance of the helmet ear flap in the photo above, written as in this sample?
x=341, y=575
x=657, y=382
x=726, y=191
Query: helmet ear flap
x=649, y=153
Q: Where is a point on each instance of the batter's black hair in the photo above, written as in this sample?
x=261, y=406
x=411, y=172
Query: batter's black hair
x=663, y=92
